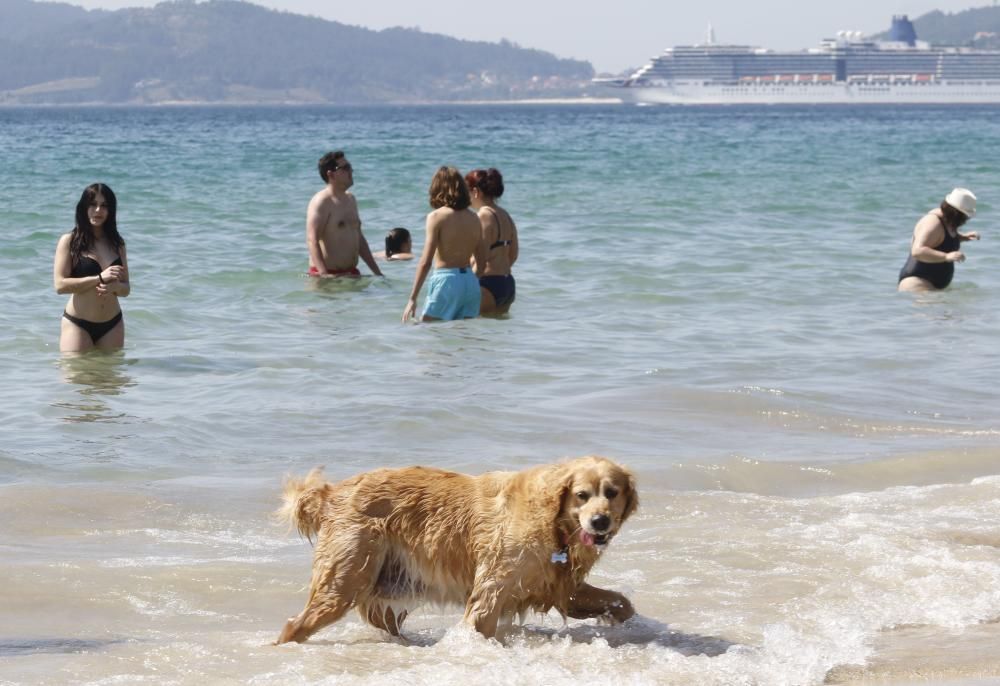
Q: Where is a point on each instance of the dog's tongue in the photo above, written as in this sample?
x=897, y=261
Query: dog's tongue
x=586, y=538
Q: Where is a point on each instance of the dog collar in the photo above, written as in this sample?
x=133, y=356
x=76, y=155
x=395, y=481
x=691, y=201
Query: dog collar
x=561, y=556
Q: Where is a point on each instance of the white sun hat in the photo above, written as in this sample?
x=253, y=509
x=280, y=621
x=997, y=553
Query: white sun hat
x=962, y=200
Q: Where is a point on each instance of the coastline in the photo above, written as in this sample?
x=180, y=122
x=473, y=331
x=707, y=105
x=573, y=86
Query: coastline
x=304, y=103
x=541, y=101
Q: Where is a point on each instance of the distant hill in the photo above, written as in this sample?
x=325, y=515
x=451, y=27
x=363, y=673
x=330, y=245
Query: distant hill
x=979, y=27
x=231, y=51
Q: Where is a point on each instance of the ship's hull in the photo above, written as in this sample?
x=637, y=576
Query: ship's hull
x=701, y=93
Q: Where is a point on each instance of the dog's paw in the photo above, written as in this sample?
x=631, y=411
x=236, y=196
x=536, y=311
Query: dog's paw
x=620, y=610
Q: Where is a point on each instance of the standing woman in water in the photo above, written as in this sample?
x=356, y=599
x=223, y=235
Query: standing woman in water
x=500, y=235
x=91, y=266
x=453, y=243
x=934, y=249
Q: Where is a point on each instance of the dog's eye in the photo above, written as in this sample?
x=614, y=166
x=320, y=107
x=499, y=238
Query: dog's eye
x=610, y=493
x=583, y=495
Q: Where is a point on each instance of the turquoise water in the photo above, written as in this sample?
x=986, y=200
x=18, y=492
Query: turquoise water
x=707, y=295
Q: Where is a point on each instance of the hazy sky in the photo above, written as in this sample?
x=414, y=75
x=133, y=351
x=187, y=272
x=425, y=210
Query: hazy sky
x=613, y=35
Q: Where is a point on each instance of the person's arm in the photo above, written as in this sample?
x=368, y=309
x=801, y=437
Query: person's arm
x=927, y=235
x=482, y=253
x=315, y=219
x=62, y=268
x=366, y=253
x=423, y=267
x=971, y=236
x=116, y=281
x=514, y=247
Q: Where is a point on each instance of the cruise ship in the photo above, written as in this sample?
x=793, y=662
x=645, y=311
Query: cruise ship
x=847, y=69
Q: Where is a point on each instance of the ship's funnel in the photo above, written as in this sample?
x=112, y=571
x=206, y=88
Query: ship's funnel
x=902, y=31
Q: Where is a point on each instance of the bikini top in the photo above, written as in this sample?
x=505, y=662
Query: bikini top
x=88, y=266
x=498, y=242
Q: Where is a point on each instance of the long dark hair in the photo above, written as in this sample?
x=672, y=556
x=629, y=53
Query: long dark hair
x=395, y=240
x=82, y=238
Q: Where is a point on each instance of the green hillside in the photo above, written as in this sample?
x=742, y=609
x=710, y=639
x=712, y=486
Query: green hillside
x=231, y=51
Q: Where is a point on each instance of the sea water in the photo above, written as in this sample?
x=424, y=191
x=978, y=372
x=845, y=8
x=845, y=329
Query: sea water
x=705, y=295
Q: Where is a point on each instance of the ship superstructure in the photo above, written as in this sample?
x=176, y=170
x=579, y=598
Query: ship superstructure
x=846, y=69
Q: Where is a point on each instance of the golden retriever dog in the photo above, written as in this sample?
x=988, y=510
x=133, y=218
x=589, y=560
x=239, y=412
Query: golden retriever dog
x=498, y=544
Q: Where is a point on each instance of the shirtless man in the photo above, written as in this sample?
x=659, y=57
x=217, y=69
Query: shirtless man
x=333, y=227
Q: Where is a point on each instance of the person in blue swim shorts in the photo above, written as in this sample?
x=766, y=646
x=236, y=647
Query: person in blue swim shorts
x=454, y=238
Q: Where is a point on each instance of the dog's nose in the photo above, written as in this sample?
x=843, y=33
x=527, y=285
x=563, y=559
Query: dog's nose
x=600, y=522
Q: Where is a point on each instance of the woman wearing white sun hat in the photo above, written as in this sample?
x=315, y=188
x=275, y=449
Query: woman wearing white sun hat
x=934, y=250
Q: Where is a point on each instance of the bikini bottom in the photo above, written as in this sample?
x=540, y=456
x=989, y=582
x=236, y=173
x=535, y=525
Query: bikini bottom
x=502, y=288
x=96, y=330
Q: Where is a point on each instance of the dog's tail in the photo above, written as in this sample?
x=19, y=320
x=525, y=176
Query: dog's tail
x=304, y=500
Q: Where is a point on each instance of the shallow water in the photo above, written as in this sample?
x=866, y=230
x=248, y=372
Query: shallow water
x=707, y=295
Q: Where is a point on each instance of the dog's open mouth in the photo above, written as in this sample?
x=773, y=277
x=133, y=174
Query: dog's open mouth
x=587, y=538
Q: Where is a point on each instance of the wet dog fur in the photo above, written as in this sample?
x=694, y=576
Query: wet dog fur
x=500, y=544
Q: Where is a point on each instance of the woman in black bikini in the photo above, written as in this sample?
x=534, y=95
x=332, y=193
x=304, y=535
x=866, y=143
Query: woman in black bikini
x=500, y=235
x=936, y=238
x=91, y=266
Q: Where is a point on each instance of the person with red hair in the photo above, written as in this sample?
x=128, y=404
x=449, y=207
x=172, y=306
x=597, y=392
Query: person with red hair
x=500, y=235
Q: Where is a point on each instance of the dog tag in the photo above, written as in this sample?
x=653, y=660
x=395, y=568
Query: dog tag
x=560, y=557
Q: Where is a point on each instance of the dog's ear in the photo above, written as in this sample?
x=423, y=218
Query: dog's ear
x=555, y=485
x=631, y=495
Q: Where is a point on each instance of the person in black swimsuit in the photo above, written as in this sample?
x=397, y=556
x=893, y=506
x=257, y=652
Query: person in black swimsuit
x=500, y=234
x=91, y=266
x=936, y=238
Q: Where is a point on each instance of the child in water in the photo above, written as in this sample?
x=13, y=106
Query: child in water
x=398, y=245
